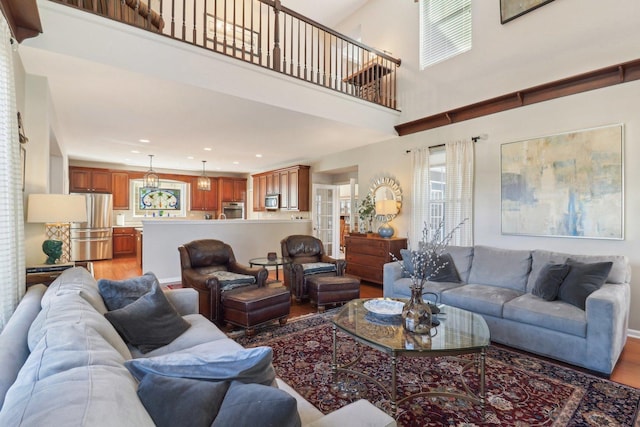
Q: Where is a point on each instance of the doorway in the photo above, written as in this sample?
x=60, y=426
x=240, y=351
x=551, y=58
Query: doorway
x=325, y=217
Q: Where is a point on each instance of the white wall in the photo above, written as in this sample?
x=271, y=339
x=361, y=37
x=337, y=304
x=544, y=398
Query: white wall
x=539, y=47
x=37, y=116
x=560, y=39
x=248, y=239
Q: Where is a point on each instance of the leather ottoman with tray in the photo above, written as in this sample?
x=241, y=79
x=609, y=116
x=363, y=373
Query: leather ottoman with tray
x=325, y=290
x=249, y=308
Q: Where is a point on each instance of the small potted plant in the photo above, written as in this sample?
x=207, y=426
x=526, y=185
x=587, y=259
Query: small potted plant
x=366, y=212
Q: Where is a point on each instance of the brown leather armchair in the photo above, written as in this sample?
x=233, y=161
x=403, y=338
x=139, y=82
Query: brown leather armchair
x=210, y=267
x=305, y=256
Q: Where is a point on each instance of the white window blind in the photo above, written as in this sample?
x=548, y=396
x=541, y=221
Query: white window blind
x=12, y=266
x=445, y=30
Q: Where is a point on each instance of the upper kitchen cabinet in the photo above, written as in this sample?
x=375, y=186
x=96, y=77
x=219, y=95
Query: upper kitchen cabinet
x=232, y=189
x=259, y=191
x=204, y=200
x=291, y=183
x=89, y=180
x=120, y=187
x=296, y=188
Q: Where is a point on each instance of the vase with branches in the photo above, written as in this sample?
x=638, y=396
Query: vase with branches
x=426, y=262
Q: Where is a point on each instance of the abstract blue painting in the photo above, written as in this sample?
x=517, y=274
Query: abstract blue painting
x=566, y=185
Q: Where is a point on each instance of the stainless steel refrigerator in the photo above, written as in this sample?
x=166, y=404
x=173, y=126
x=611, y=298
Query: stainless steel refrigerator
x=92, y=240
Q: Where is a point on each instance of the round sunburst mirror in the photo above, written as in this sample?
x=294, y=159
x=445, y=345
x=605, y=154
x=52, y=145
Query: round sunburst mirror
x=387, y=197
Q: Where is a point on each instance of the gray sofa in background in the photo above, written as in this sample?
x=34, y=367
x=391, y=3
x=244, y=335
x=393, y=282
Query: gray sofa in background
x=63, y=363
x=497, y=283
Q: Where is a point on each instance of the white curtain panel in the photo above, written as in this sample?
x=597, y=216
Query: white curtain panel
x=12, y=264
x=459, y=190
x=421, y=194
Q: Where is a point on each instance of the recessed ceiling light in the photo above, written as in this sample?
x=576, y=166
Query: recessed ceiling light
x=190, y=157
x=258, y=155
x=144, y=140
x=236, y=163
x=135, y=151
x=207, y=149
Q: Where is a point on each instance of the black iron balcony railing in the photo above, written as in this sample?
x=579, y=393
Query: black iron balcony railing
x=265, y=33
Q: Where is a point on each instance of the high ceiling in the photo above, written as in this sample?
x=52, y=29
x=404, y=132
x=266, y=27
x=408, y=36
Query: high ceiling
x=106, y=114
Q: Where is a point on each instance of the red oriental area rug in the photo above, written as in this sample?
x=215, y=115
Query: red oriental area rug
x=522, y=390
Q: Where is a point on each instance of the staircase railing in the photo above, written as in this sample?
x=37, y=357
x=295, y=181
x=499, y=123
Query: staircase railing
x=264, y=33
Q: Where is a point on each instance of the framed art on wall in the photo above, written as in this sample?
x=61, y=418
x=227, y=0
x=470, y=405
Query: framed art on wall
x=566, y=185
x=511, y=9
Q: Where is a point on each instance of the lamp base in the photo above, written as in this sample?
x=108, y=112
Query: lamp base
x=53, y=250
x=385, y=230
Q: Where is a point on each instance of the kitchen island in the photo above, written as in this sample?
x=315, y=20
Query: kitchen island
x=249, y=238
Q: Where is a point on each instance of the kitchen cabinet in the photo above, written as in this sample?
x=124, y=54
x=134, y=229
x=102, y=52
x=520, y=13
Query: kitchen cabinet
x=259, y=192
x=272, y=183
x=291, y=183
x=284, y=189
x=120, y=190
x=89, y=180
x=367, y=254
x=124, y=241
x=232, y=189
x=295, y=191
x=204, y=200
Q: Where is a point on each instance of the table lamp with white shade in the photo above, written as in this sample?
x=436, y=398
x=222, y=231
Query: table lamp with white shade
x=56, y=211
x=388, y=209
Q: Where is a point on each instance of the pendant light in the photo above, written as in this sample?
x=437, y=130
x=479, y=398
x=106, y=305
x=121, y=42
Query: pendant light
x=151, y=180
x=204, y=183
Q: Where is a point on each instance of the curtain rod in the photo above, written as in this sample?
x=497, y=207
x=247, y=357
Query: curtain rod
x=473, y=138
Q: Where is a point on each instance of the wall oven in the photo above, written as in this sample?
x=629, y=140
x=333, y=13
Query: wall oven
x=233, y=210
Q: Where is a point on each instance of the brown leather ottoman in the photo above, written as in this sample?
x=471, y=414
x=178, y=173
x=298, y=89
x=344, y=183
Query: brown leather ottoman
x=324, y=290
x=253, y=307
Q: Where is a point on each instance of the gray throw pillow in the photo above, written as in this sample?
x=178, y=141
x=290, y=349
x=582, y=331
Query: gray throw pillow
x=120, y=293
x=549, y=280
x=250, y=405
x=582, y=280
x=149, y=322
x=446, y=273
x=181, y=401
x=407, y=269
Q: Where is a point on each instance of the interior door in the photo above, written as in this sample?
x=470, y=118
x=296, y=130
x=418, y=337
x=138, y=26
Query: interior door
x=325, y=217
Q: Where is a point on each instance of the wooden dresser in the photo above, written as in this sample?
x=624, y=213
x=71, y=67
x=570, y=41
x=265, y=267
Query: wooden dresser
x=367, y=254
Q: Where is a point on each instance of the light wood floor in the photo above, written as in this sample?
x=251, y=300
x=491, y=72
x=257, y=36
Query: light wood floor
x=627, y=371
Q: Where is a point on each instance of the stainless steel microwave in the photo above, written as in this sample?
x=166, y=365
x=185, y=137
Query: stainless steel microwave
x=272, y=201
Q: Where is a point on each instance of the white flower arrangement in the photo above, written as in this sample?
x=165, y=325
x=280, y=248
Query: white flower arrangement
x=425, y=259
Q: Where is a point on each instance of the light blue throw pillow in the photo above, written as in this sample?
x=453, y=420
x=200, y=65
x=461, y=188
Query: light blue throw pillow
x=120, y=293
x=247, y=365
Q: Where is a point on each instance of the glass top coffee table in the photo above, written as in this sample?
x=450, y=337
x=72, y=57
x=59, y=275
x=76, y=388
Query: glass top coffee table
x=460, y=332
x=266, y=262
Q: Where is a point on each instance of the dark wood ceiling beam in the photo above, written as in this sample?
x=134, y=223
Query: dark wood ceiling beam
x=609, y=76
x=23, y=18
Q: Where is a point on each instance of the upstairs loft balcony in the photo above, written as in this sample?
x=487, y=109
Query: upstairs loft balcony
x=266, y=34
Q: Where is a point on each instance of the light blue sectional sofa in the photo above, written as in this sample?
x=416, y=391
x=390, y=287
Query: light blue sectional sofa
x=62, y=363
x=497, y=284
